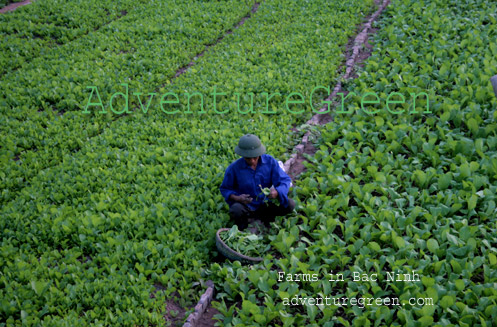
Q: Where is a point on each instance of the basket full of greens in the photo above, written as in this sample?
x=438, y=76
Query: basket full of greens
x=243, y=246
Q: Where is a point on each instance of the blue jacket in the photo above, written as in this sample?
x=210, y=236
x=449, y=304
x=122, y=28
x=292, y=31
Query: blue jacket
x=240, y=178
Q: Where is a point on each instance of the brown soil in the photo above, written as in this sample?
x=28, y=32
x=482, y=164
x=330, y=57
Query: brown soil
x=174, y=314
x=363, y=54
x=297, y=167
x=207, y=319
x=14, y=5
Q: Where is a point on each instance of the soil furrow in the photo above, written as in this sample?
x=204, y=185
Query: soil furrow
x=359, y=51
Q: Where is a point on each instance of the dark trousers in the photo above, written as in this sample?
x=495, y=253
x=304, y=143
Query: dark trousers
x=266, y=212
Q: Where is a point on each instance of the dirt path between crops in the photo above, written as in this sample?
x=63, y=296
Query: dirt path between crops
x=294, y=166
x=358, y=50
x=14, y=5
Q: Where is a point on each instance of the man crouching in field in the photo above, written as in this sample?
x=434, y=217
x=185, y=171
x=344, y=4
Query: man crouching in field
x=248, y=180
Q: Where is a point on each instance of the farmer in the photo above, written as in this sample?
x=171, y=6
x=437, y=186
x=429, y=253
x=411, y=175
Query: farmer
x=244, y=180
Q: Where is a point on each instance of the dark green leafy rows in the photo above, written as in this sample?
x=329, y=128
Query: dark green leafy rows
x=409, y=192
x=35, y=135
x=131, y=208
x=39, y=28
x=406, y=193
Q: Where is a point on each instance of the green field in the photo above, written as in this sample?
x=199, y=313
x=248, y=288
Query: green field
x=106, y=217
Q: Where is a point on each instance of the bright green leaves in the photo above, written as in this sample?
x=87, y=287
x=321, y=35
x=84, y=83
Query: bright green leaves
x=444, y=181
x=432, y=245
x=420, y=178
x=399, y=242
x=245, y=243
x=406, y=192
x=39, y=287
x=426, y=321
x=472, y=125
x=250, y=308
x=420, y=190
x=283, y=241
x=472, y=202
x=492, y=258
x=447, y=301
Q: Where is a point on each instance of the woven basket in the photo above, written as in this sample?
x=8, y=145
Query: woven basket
x=230, y=253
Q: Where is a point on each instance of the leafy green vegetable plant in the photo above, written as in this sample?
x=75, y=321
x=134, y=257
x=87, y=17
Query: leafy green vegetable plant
x=246, y=243
x=397, y=192
x=266, y=191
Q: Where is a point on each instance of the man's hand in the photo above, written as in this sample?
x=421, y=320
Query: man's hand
x=243, y=198
x=273, y=194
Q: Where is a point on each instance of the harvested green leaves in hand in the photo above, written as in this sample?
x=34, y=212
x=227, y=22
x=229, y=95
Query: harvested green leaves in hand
x=243, y=242
x=266, y=191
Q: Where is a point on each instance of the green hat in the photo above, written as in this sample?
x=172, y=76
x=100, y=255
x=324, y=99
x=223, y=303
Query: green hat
x=250, y=146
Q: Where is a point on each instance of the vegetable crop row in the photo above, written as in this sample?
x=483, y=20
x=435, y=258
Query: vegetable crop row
x=145, y=191
x=34, y=134
x=38, y=29
x=403, y=193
